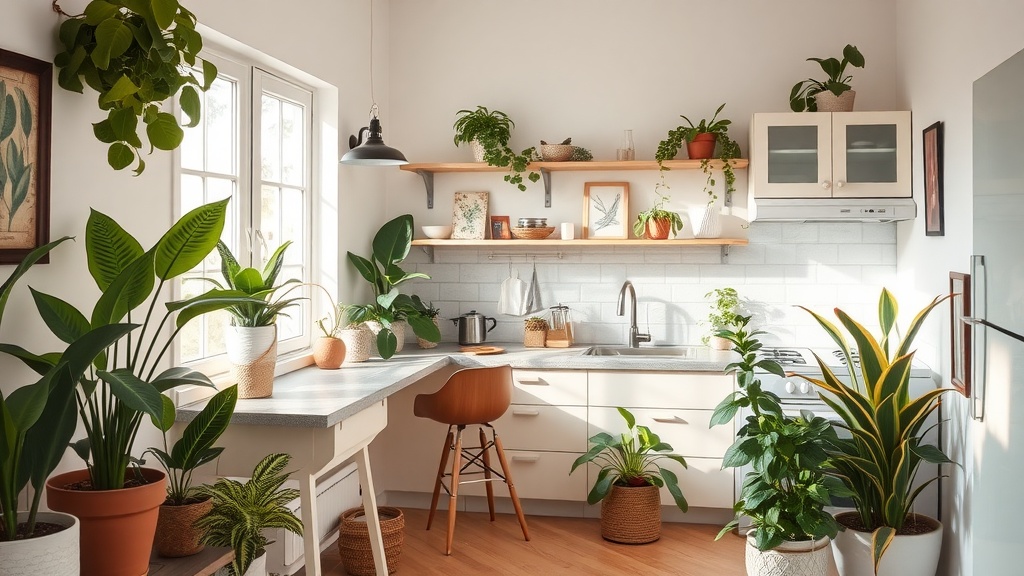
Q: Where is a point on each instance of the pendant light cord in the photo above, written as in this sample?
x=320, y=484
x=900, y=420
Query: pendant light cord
x=374, y=112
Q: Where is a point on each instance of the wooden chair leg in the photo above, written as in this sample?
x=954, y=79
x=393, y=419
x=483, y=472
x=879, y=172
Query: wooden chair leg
x=487, y=472
x=452, y=502
x=511, y=486
x=440, y=476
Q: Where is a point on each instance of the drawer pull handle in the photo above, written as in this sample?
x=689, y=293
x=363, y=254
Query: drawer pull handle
x=671, y=420
x=525, y=412
x=533, y=458
x=537, y=382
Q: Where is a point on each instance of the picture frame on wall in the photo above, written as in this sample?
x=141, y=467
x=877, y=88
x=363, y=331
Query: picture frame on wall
x=960, y=332
x=606, y=210
x=26, y=88
x=501, y=228
x=934, y=217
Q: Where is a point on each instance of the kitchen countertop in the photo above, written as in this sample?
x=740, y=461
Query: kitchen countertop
x=314, y=398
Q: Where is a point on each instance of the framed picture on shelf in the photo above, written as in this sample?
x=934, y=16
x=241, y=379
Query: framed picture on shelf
x=469, y=216
x=501, y=228
x=960, y=331
x=26, y=85
x=606, y=210
x=933, y=210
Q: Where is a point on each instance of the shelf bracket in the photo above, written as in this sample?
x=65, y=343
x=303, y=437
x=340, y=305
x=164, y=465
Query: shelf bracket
x=428, y=183
x=725, y=254
x=728, y=199
x=429, y=251
x=546, y=175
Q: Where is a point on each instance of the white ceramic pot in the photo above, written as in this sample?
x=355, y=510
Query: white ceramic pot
x=911, y=555
x=252, y=352
x=358, y=345
x=710, y=223
x=719, y=343
x=245, y=345
x=258, y=566
x=397, y=328
x=808, y=558
x=52, y=555
x=478, y=150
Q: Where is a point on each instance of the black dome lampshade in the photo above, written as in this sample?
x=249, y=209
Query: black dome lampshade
x=372, y=152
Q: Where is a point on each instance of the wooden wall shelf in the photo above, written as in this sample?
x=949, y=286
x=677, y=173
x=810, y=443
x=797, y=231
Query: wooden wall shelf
x=723, y=243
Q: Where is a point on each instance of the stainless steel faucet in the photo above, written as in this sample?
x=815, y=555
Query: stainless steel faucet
x=635, y=337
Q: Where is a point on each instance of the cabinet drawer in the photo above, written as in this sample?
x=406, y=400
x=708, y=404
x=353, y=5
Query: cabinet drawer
x=540, y=475
x=686, y=430
x=560, y=387
x=692, y=390
x=552, y=428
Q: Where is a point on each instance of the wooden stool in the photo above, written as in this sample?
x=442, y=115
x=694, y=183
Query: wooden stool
x=472, y=396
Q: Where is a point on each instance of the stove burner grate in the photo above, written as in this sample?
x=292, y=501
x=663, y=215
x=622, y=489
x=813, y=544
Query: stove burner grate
x=784, y=356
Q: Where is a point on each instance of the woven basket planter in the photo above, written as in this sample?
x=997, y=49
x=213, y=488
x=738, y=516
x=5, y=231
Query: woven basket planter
x=427, y=344
x=631, y=515
x=535, y=338
x=354, y=540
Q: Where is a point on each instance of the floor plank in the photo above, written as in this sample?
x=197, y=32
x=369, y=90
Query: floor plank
x=561, y=546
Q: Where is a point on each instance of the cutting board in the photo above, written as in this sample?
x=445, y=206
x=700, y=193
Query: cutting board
x=481, y=350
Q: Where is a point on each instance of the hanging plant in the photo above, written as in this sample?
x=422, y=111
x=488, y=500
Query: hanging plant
x=136, y=54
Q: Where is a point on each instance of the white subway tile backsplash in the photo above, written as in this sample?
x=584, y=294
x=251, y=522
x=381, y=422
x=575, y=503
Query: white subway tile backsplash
x=843, y=232
x=780, y=254
x=645, y=273
x=750, y=254
x=440, y=272
x=811, y=254
x=765, y=232
x=839, y=274
x=682, y=273
x=800, y=233
x=461, y=292
x=860, y=254
x=883, y=233
x=477, y=272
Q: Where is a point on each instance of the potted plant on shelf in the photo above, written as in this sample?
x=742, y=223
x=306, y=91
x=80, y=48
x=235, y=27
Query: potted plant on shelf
x=628, y=482
x=489, y=131
x=832, y=95
x=700, y=138
x=113, y=496
x=789, y=486
x=242, y=511
x=724, y=309
x=880, y=462
x=252, y=337
x=390, y=308
x=657, y=223
x=428, y=310
x=176, y=533
x=136, y=55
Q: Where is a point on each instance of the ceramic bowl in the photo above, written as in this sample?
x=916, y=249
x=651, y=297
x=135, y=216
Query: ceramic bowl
x=437, y=232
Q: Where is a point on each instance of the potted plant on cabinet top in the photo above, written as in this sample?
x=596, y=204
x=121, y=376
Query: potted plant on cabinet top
x=252, y=337
x=136, y=55
x=176, y=534
x=832, y=95
x=657, y=223
x=490, y=132
x=242, y=511
x=391, y=245
x=123, y=385
x=628, y=482
x=724, y=309
x=788, y=488
x=880, y=462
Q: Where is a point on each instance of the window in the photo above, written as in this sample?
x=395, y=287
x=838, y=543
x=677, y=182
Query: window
x=254, y=145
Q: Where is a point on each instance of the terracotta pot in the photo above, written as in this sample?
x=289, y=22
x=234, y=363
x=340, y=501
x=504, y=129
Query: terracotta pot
x=658, y=229
x=829, y=102
x=176, y=535
x=328, y=353
x=908, y=555
x=118, y=526
x=807, y=558
x=702, y=146
x=631, y=514
x=53, y=555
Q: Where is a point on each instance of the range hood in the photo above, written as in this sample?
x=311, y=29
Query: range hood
x=831, y=209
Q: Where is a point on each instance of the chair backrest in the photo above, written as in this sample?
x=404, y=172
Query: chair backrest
x=470, y=396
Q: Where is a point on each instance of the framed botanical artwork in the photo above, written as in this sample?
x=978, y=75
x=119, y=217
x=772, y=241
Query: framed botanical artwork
x=26, y=85
x=501, y=228
x=933, y=210
x=960, y=331
x=469, y=216
x=606, y=210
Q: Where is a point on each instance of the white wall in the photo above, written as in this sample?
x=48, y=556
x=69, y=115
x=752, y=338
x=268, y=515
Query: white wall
x=325, y=38
x=943, y=47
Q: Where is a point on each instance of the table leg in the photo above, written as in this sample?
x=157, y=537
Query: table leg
x=310, y=524
x=370, y=508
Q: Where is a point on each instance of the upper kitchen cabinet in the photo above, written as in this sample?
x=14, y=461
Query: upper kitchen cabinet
x=831, y=155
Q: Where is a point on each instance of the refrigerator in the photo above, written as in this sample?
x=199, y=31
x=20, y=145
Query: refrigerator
x=994, y=511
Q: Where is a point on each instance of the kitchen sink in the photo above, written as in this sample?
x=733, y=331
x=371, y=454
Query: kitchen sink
x=660, y=351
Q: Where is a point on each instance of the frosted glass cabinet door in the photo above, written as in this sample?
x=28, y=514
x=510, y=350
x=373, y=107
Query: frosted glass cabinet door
x=791, y=155
x=871, y=154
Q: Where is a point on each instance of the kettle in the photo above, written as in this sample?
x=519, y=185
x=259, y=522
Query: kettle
x=473, y=327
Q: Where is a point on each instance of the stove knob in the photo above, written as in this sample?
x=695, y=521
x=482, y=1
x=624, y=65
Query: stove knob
x=790, y=387
x=805, y=387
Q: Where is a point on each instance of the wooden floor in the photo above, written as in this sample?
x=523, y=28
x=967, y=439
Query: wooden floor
x=557, y=546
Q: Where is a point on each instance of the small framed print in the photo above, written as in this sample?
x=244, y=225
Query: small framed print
x=606, y=210
x=501, y=228
x=934, y=224
x=469, y=216
x=960, y=331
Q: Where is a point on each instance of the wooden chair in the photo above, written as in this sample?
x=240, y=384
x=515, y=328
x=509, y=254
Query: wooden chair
x=472, y=396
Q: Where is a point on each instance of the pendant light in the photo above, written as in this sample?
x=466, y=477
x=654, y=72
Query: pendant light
x=372, y=151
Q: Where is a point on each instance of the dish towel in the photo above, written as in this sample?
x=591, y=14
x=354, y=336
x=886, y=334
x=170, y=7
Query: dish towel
x=533, y=303
x=512, y=296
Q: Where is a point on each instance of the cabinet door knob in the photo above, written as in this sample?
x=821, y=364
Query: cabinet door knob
x=826, y=184
x=840, y=183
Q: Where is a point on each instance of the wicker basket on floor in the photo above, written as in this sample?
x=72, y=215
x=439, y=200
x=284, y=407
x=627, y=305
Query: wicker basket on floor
x=631, y=515
x=354, y=540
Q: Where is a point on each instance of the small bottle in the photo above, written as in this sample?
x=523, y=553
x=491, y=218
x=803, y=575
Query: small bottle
x=626, y=151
